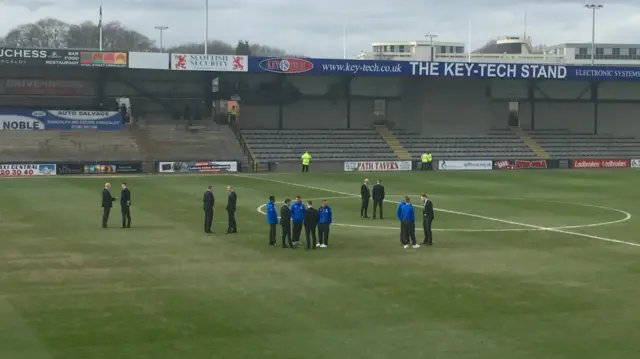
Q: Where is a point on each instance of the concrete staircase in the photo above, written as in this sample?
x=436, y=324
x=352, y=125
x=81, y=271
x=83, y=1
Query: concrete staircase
x=394, y=144
x=530, y=142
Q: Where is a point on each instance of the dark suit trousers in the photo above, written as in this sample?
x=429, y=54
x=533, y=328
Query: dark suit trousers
x=208, y=220
x=105, y=216
x=305, y=168
x=323, y=233
x=232, y=221
x=376, y=205
x=401, y=233
x=297, y=230
x=426, y=225
x=309, y=233
x=286, y=234
x=126, y=216
x=364, y=209
x=272, y=234
x=409, y=232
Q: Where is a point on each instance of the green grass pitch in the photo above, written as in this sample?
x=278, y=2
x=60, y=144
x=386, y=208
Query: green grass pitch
x=525, y=264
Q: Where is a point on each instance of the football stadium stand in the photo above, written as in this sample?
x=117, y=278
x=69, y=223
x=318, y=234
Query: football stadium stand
x=324, y=145
x=565, y=144
x=495, y=144
x=75, y=145
x=171, y=141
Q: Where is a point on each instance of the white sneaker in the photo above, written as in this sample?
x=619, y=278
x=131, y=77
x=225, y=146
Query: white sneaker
x=416, y=246
x=406, y=246
x=323, y=246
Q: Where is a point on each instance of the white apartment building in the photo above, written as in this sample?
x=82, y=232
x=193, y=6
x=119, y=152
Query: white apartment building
x=514, y=49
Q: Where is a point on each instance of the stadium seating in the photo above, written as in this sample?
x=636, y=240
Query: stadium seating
x=564, y=144
x=324, y=145
x=171, y=141
x=495, y=144
x=76, y=145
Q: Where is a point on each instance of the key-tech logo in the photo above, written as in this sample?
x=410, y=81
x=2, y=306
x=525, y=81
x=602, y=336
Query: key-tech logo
x=286, y=65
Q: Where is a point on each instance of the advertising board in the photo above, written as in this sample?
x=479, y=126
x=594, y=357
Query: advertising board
x=525, y=164
x=635, y=163
x=599, y=163
x=320, y=66
x=27, y=170
x=201, y=62
x=98, y=168
x=377, y=166
x=457, y=165
x=27, y=119
x=197, y=166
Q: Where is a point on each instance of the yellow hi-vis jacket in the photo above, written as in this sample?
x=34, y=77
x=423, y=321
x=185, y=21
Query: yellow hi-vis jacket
x=429, y=157
x=306, y=158
x=424, y=158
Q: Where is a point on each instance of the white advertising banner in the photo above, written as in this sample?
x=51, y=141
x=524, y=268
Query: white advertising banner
x=27, y=170
x=377, y=166
x=457, y=165
x=197, y=167
x=635, y=163
x=220, y=63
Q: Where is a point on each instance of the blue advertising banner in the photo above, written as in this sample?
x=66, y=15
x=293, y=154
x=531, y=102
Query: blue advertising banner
x=291, y=65
x=21, y=119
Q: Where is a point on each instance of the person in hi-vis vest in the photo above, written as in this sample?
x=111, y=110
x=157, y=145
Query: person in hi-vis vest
x=426, y=161
x=306, y=159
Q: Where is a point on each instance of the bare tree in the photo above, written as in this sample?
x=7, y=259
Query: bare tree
x=46, y=33
x=52, y=33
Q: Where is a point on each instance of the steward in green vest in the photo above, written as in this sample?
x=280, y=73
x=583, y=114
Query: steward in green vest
x=306, y=159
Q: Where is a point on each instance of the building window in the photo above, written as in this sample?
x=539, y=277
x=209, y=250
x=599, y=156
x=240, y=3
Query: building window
x=633, y=52
x=599, y=51
x=392, y=48
x=583, y=51
x=616, y=51
x=385, y=48
x=443, y=49
x=401, y=48
x=460, y=50
x=451, y=49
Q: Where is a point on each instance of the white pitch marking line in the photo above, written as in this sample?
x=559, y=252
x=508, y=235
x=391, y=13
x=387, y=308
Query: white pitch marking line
x=260, y=210
x=541, y=228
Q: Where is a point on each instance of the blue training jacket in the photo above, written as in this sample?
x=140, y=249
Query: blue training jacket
x=399, y=210
x=297, y=212
x=407, y=213
x=324, y=215
x=272, y=215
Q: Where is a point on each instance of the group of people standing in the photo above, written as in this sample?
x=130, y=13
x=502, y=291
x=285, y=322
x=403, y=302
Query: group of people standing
x=300, y=215
x=125, y=205
x=208, y=201
x=407, y=217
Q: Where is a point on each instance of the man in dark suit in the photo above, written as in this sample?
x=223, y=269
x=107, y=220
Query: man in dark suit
x=365, y=194
x=208, y=200
x=378, y=198
x=285, y=223
x=107, y=203
x=310, y=224
x=125, y=205
x=231, y=210
x=427, y=218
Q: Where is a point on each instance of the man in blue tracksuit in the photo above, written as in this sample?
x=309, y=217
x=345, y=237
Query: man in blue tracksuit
x=324, y=221
x=408, y=219
x=272, y=220
x=399, y=216
x=297, y=217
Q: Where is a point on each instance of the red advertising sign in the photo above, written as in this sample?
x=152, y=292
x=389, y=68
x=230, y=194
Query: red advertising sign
x=600, y=163
x=520, y=164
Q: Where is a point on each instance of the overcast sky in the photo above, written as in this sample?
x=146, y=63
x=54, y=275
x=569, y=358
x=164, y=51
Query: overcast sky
x=315, y=28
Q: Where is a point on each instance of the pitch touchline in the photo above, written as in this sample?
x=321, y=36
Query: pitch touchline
x=548, y=229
